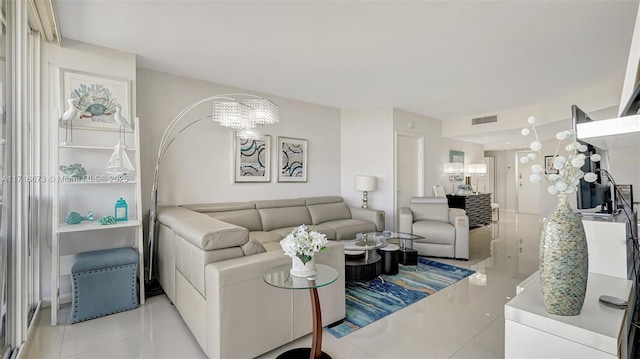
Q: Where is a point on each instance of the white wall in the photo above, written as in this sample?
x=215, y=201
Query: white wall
x=75, y=56
x=602, y=95
x=368, y=149
x=198, y=166
x=436, y=151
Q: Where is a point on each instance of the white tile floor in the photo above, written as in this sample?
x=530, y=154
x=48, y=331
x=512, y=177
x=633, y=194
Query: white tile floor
x=464, y=320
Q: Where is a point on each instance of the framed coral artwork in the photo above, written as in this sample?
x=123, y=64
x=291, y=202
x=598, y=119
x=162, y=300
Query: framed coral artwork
x=97, y=99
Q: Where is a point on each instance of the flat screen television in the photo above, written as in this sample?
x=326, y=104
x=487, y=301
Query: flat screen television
x=597, y=194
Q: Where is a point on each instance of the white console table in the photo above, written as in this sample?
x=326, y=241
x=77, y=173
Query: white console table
x=598, y=332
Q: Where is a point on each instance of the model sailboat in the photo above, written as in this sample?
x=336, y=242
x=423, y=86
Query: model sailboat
x=119, y=163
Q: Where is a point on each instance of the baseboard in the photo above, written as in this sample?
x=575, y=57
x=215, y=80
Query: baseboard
x=64, y=299
x=23, y=350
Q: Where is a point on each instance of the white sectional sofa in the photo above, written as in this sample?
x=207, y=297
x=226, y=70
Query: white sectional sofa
x=212, y=258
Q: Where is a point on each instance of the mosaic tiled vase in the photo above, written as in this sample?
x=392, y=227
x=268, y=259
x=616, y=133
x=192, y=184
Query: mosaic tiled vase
x=564, y=261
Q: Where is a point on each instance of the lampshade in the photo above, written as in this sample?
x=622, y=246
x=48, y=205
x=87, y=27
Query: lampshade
x=234, y=115
x=365, y=183
x=265, y=112
x=453, y=168
x=249, y=134
x=476, y=168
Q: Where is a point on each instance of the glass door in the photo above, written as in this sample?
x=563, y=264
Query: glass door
x=3, y=238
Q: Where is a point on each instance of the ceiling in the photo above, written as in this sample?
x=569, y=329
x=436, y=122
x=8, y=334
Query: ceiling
x=442, y=59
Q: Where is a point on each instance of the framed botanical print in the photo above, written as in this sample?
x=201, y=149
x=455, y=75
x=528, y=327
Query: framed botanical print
x=292, y=159
x=100, y=102
x=252, y=159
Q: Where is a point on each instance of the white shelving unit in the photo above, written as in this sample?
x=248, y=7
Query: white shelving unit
x=98, y=194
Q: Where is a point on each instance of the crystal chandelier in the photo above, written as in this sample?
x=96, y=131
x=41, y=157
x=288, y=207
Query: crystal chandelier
x=238, y=111
x=245, y=114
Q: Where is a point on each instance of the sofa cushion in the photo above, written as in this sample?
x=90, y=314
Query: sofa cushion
x=170, y=215
x=191, y=261
x=265, y=237
x=209, y=233
x=429, y=210
x=219, y=207
x=309, y=201
x=347, y=228
x=272, y=246
x=321, y=213
x=279, y=203
x=252, y=247
x=283, y=217
x=435, y=231
x=247, y=218
x=327, y=231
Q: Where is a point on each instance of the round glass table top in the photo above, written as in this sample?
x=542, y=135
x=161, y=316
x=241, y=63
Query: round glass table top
x=281, y=278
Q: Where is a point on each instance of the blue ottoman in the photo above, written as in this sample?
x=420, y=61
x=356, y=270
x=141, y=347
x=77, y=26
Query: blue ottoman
x=104, y=282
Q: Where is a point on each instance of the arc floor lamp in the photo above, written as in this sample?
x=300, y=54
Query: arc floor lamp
x=238, y=111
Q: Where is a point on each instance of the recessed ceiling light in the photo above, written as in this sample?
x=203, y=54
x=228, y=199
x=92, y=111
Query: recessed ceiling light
x=506, y=143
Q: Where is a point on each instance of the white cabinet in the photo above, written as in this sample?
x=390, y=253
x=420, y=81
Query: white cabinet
x=598, y=332
x=98, y=193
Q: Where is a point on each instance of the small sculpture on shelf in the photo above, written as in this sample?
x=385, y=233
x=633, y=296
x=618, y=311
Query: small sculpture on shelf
x=75, y=218
x=107, y=220
x=67, y=118
x=74, y=171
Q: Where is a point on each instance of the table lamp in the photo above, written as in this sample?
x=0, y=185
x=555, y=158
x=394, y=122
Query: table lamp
x=453, y=169
x=476, y=170
x=365, y=184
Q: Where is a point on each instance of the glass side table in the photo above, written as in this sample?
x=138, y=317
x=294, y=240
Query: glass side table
x=281, y=278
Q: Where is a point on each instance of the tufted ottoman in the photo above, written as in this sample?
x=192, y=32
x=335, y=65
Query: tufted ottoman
x=104, y=282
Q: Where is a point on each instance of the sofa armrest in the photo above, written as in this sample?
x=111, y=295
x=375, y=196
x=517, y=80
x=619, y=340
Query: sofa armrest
x=237, y=295
x=461, y=224
x=453, y=212
x=203, y=231
x=367, y=214
x=406, y=220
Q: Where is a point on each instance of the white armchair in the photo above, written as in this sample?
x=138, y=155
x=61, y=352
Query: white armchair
x=446, y=231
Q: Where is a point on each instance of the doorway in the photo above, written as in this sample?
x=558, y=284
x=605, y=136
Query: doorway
x=528, y=194
x=409, y=170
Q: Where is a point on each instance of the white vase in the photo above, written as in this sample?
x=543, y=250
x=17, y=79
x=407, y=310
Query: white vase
x=300, y=269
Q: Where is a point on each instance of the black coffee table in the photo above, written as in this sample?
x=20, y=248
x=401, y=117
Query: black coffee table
x=408, y=255
x=364, y=262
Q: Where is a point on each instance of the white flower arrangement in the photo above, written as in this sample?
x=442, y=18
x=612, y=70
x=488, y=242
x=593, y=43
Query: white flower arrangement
x=303, y=243
x=569, y=167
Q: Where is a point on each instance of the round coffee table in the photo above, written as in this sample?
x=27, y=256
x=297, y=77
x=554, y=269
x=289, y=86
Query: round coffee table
x=368, y=265
x=281, y=278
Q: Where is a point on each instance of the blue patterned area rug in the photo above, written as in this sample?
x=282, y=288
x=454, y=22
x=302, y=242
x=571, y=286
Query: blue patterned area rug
x=368, y=301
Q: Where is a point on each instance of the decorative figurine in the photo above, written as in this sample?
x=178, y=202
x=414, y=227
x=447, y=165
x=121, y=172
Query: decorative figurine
x=75, y=218
x=107, y=220
x=74, y=171
x=67, y=117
